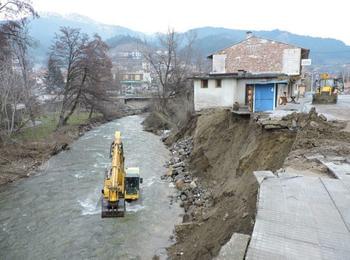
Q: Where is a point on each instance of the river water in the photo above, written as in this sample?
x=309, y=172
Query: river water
x=56, y=213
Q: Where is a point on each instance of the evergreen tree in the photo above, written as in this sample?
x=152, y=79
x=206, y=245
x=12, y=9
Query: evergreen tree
x=54, y=79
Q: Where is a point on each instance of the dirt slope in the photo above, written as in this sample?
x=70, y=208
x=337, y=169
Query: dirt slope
x=226, y=151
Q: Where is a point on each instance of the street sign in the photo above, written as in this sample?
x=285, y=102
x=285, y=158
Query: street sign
x=305, y=62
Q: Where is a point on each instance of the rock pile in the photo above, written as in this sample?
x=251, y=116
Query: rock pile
x=193, y=197
x=293, y=121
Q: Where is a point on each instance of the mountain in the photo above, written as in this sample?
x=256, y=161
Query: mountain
x=44, y=28
x=324, y=51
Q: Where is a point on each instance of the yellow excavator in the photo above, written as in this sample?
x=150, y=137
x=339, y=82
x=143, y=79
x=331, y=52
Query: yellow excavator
x=327, y=89
x=120, y=184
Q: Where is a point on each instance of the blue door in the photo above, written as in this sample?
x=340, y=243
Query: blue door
x=264, y=96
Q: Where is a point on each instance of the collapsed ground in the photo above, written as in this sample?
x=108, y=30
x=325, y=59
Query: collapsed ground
x=214, y=157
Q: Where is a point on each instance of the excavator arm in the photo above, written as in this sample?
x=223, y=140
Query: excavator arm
x=113, y=199
x=120, y=184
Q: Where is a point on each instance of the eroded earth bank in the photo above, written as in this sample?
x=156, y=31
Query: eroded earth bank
x=212, y=166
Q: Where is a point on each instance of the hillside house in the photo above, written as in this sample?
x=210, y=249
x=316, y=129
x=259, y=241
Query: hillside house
x=135, y=83
x=255, y=73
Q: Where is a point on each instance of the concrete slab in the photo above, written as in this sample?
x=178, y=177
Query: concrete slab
x=301, y=218
x=241, y=112
x=235, y=248
x=340, y=169
x=261, y=175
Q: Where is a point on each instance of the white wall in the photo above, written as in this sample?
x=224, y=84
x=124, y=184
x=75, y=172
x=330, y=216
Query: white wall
x=240, y=91
x=219, y=63
x=213, y=96
x=232, y=90
x=291, y=61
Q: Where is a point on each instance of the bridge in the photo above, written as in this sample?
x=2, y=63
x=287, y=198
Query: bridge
x=135, y=101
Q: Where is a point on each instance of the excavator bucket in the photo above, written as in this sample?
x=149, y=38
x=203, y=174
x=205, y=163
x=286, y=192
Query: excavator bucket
x=113, y=210
x=324, y=98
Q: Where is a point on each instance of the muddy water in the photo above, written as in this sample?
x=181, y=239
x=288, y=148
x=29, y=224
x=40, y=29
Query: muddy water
x=56, y=214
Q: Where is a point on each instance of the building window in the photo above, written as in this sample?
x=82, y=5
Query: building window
x=204, y=83
x=218, y=83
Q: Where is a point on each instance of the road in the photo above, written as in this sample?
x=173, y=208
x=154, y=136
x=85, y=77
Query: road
x=339, y=111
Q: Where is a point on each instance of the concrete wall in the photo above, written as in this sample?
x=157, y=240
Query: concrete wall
x=232, y=90
x=240, y=91
x=213, y=96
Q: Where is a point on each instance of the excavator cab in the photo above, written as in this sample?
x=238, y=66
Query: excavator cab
x=132, y=184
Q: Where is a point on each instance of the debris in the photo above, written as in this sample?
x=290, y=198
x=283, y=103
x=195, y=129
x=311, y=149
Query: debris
x=180, y=184
x=314, y=124
x=323, y=117
x=225, y=217
x=193, y=184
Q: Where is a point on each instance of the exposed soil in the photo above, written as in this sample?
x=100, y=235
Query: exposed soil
x=317, y=137
x=224, y=152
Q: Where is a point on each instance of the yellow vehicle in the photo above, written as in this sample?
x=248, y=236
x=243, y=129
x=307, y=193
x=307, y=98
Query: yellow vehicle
x=120, y=184
x=327, y=90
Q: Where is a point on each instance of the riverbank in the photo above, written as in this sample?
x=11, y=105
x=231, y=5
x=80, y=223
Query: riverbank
x=27, y=150
x=212, y=166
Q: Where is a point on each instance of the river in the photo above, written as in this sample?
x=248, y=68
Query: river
x=56, y=213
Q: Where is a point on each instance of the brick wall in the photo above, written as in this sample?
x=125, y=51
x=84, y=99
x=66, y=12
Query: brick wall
x=255, y=55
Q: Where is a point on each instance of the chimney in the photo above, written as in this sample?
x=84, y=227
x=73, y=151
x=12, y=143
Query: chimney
x=249, y=34
x=241, y=72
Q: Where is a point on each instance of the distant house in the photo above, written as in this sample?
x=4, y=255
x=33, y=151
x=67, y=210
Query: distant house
x=131, y=69
x=135, y=83
x=255, y=73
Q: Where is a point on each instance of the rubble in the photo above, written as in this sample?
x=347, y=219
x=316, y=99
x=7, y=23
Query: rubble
x=192, y=196
x=294, y=121
x=226, y=152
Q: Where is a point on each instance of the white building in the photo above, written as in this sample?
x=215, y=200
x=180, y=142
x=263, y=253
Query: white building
x=256, y=74
x=226, y=90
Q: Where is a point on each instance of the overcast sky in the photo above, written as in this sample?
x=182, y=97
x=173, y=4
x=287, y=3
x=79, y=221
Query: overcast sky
x=316, y=18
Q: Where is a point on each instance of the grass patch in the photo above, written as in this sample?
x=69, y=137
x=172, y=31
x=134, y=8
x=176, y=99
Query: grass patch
x=48, y=125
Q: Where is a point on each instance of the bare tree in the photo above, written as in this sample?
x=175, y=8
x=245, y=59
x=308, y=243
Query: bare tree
x=68, y=53
x=171, y=63
x=12, y=9
x=10, y=97
x=88, y=71
x=14, y=63
x=15, y=13
x=99, y=75
x=20, y=47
